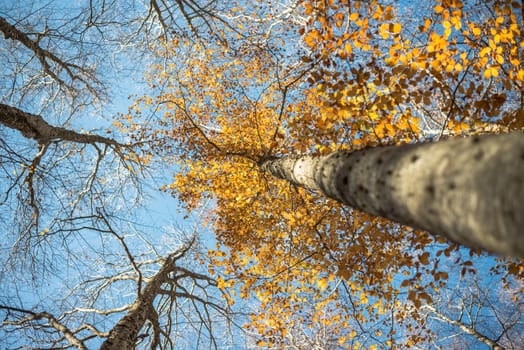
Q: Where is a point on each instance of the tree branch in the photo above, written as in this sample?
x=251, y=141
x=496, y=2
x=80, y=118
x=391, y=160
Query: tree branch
x=466, y=329
x=74, y=72
x=35, y=127
x=53, y=322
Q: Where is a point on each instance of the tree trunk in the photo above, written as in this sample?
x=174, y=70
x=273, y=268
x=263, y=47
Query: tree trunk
x=124, y=335
x=35, y=127
x=469, y=190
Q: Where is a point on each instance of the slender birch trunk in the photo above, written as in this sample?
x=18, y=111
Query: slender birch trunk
x=123, y=335
x=469, y=190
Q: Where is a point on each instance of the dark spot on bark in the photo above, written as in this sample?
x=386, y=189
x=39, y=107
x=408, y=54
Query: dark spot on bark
x=431, y=190
x=379, y=161
x=479, y=155
x=475, y=139
x=350, y=168
x=389, y=172
x=432, y=211
x=452, y=186
x=414, y=158
x=345, y=180
x=522, y=155
x=363, y=189
x=358, y=160
x=411, y=194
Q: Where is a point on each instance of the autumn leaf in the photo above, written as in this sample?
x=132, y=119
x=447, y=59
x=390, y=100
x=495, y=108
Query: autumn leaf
x=235, y=106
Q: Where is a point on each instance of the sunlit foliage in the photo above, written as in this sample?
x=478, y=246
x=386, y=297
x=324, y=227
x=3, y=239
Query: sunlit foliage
x=319, y=76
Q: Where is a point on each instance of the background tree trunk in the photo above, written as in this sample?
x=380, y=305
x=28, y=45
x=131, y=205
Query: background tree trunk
x=468, y=190
x=35, y=127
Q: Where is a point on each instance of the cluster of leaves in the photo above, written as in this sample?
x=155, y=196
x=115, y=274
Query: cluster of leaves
x=451, y=65
x=357, y=74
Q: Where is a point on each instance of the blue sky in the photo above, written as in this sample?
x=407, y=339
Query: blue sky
x=157, y=216
x=60, y=264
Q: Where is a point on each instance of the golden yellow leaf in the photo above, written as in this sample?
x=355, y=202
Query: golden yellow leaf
x=476, y=31
x=491, y=72
x=348, y=48
x=395, y=28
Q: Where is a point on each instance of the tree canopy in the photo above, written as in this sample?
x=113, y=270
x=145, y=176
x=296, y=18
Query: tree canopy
x=239, y=87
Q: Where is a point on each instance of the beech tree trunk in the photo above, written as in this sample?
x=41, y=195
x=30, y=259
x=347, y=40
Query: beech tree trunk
x=469, y=190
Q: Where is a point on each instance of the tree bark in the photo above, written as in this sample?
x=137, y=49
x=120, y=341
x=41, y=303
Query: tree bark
x=469, y=190
x=35, y=127
x=124, y=334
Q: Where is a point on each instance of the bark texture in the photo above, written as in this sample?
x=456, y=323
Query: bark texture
x=124, y=334
x=35, y=127
x=167, y=283
x=469, y=190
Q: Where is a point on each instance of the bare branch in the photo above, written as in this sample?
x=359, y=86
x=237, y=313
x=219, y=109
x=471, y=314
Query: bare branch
x=53, y=322
x=466, y=329
x=47, y=59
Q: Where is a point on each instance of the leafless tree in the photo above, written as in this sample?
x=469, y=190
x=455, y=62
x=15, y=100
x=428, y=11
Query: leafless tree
x=62, y=66
x=131, y=296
